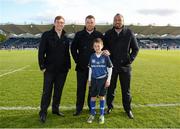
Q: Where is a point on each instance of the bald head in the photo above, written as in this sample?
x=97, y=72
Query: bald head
x=118, y=21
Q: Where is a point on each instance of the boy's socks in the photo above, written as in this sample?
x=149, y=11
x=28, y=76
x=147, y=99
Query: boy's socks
x=93, y=107
x=102, y=104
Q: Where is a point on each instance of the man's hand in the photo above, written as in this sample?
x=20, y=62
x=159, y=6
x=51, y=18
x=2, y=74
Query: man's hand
x=107, y=84
x=106, y=53
x=43, y=70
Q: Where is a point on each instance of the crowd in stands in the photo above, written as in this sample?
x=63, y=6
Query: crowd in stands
x=159, y=43
x=25, y=42
x=20, y=43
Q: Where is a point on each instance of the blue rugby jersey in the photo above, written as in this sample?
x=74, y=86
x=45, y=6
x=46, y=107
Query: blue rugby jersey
x=99, y=65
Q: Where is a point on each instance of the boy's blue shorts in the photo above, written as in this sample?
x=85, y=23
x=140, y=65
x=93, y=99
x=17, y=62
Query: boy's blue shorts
x=98, y=87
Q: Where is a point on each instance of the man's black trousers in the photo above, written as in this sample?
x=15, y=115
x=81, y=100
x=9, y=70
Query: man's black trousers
x=56, y=81
x=124, y=78
x=82, y=77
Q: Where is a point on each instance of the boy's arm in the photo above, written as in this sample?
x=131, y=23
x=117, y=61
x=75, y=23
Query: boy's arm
x=109, y=70
x=90, y=69
x=89, y=76
x=109, y=74
x=90, y=72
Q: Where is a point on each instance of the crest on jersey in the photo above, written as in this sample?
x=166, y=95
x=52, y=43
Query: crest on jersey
x=93, y=60
x=102, y=61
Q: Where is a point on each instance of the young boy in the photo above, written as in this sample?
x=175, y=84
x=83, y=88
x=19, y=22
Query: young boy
x=100, y=70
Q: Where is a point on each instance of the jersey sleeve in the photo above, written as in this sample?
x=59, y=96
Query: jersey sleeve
x=108, y=62
x=89, y=64
x=109, y=74
x=89, y=74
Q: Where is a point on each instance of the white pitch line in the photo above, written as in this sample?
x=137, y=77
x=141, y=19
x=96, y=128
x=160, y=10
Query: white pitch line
x=16, y=70
x=73, y=107
x=158, y=105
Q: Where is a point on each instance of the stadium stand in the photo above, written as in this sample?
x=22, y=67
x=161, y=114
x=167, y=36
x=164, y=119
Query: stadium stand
x=28, y=36
x=20, y=43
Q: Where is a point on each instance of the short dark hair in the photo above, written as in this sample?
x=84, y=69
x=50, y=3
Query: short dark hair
x=118, y=14
x=58, y=18
x=89, y=17
x=98, y=40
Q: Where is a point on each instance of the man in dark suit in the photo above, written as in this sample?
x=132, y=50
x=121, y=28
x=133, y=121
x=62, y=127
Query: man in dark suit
x=123, y=47
x=54, y=62
x=81, y=49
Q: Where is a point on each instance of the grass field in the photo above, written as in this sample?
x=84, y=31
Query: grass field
x=156, y=81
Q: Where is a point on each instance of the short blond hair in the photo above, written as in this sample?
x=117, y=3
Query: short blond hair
x=98, y=40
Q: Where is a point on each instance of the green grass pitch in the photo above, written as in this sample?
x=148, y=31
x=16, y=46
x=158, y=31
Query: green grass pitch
x=155, y=80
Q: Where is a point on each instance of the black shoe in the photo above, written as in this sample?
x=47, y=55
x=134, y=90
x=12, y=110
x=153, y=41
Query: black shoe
x=130, y=114
x=58, y=113
x=42, y=117
x=77, y=113
x=109, y=110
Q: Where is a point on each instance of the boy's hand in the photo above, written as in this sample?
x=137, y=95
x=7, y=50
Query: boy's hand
x=43, y=70
x=89, y=83
x=107, y=84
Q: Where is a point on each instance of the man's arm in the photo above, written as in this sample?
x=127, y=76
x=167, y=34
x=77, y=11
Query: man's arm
x=41, y=52
x=68, y=53
x=74, y=48
x=134, y=47
x=106, y=47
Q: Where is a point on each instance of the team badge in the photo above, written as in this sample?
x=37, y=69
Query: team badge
x=93, y=60
x=102, y=61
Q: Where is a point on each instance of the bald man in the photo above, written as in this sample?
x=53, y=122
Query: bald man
x=123, y=47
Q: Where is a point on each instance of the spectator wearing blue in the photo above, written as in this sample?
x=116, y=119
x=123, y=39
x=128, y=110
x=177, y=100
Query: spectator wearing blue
x=100, y=70
x=54, y=62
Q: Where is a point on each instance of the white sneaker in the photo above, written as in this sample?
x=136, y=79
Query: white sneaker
x=90, y=119
x=101, y=119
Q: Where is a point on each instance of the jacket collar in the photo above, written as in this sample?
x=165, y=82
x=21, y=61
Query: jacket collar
x=122, y=32
x=54, y=32
x=86, y=30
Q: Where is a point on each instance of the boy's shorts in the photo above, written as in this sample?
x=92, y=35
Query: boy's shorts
x=98, y=87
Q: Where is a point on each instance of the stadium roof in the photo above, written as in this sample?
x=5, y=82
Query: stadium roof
x=140, y=30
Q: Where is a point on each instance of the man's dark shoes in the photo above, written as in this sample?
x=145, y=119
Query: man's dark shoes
x=109, y=110
x=130, y=114
x=77, y=113
x=58, y=113
x=42, y=117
